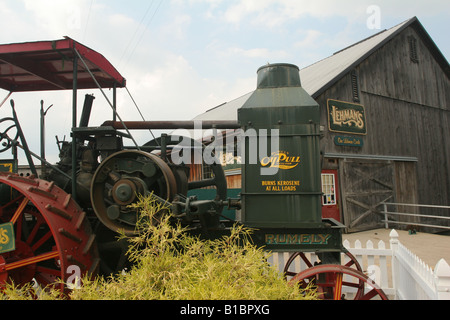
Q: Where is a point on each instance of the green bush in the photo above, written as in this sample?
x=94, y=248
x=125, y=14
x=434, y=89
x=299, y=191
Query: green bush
x=171, y=264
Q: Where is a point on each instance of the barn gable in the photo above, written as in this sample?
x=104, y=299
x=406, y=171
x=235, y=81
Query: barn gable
x=320, y=76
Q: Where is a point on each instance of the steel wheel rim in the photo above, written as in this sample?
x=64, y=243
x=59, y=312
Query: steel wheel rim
x=52, y=235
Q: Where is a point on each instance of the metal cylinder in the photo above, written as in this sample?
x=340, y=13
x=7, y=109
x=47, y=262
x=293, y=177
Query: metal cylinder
x=278, y=75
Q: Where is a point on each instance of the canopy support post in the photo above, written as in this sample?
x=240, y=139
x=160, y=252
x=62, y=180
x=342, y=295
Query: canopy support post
x=74, y=125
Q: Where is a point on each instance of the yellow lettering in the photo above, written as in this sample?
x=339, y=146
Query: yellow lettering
x=280, y=159
x=347, y=117
x=4, y=239
x=281, y=238
x=324, y=238
x=288, y=239
x=292, y=238
x=305, y=238
x=270, y=238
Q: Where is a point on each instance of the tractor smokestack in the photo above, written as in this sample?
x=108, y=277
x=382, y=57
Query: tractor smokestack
x=278, y=75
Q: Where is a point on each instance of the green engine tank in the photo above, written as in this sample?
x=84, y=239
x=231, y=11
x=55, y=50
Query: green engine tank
x=281, y=184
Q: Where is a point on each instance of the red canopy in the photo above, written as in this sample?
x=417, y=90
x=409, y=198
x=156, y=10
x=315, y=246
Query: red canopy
x=48, y=65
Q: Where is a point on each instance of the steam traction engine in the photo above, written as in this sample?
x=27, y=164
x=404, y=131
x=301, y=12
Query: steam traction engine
x=65, y=220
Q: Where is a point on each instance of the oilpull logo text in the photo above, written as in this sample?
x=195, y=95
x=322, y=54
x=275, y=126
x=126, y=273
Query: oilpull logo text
x=281, y=160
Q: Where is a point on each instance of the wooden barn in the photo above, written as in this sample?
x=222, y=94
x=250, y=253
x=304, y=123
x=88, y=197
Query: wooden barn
x=385, y=124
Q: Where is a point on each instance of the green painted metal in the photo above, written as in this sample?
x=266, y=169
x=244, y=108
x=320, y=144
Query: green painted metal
x=289, y=198
x=325, y=239
x=7, y=242
x=208, y=194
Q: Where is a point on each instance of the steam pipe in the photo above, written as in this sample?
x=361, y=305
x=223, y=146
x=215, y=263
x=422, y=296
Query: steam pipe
x=160, y=125
x=86, y=113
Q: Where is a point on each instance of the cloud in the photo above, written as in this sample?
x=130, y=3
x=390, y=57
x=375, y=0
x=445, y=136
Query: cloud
x=194, y=54
x=259, y=53
x=56, y=17
x=174, y=90
x=276, y=13
x=310, y=38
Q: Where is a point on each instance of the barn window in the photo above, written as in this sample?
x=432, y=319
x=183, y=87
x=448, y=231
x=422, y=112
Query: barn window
x=413, y=50
x=328, y=189
x=355, y=86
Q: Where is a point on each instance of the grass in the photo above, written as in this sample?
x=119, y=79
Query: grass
x=171, y=264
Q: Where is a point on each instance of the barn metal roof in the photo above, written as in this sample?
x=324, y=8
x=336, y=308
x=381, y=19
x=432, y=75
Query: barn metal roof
x=49, y=65
x=321, y=75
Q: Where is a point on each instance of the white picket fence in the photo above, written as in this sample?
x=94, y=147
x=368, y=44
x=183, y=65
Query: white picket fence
x=400, y=273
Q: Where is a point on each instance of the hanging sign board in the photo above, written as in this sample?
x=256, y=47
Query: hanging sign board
x=8, y=165
x=349, y=141
x=346, y=117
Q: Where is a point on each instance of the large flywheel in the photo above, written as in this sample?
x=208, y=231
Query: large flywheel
x=46, y=237
x=118, y=182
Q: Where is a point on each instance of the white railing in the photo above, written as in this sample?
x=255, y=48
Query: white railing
x=401, y=274
x=413, y=215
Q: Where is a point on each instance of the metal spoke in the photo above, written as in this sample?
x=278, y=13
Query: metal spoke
x=41, y=241
x=338, y=286
x=19, y=210
x=32, y=260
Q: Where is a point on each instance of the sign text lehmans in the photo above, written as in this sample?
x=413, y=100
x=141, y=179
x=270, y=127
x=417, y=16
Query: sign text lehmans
x=346, y=117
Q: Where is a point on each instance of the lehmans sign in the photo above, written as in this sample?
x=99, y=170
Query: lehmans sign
x=346, y=117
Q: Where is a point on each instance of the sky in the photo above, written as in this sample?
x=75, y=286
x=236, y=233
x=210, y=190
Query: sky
x=183, y=57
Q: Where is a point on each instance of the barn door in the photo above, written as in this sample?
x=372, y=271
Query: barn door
x=365, y=185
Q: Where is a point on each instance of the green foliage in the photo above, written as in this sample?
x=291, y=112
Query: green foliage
x=171, y=264
x=28, y=292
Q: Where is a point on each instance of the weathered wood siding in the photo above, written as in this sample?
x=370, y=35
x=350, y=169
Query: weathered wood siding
x=234, y=181
x=407, y=112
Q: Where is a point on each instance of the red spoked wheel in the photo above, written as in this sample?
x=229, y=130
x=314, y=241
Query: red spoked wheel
x=291, y=260
x=330, y=279
x=52, y=238
x=352, y=263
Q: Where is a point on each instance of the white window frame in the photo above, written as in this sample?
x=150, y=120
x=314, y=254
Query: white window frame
x=328, y=181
